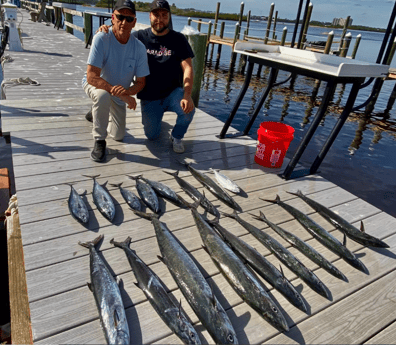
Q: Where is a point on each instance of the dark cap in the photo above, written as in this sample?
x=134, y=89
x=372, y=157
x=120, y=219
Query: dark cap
x=128, y=4
x=160, y=5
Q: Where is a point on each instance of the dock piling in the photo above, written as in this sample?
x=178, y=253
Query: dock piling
x=356, y=46
x=267, y=32
x=345, y=44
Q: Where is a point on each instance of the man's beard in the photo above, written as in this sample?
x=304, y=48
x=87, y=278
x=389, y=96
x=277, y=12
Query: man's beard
x=161, y=29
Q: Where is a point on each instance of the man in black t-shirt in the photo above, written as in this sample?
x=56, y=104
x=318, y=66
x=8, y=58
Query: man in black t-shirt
x=169, y=85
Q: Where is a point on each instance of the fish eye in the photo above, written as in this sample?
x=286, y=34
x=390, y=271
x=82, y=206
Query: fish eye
x=230, y=338
x=274, y=310
x=192, y=335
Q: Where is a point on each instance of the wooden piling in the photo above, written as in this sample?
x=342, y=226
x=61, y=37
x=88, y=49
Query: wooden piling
x=344, y=30
x=247, y=24
x=356, y=46
x=189, y=21
x=234, y=55
x=274, y=29
x=87, y=27
x=306, y=25
x=241, y=14
x=345, y=44
x=199, y=24
x=271, y=13
x=283, y=39
x=207, y=42
x=220, y=45
x=216, y=18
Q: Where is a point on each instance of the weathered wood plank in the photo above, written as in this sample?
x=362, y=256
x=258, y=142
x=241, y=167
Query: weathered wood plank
x=386, y=336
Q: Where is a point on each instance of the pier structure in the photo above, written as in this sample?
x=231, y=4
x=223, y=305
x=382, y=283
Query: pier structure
x=49, y=270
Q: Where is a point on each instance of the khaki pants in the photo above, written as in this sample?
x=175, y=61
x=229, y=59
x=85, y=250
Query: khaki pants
x=108, y=116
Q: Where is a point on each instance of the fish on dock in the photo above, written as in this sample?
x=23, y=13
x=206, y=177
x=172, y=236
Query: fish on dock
x=156, y=293
x=285, y=256
x=261, y=265
x=243, y=280
x=146, y=193
x=194, y=194
x=77, y=206
x=107, y=297
x=102, y=199
x=192, y=284
x=359, y=236
x=303, y=247
x=225, y=181
x=322, y=235
x=213, y=187
x=131, y=199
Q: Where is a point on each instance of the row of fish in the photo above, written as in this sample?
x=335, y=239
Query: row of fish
x=238, y=262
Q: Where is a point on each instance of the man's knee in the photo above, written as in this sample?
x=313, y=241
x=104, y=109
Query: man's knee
x=102, y=97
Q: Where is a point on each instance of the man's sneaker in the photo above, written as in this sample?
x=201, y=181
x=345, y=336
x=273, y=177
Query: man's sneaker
x=178, y=146
x=98, y=153
x=88, y=116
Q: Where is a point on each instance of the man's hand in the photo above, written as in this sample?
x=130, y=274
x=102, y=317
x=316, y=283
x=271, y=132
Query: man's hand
x=104, y=28
x=131, y=101
x=118, y=90
x=187, y=104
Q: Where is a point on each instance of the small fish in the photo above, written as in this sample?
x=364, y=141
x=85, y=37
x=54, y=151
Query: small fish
x=285, y=256
x=77, y=206
x=147, y=194
x=243, y=280
x=226, y=182
x=107, y=296
x=194, y=194
x=102, y=200
x=131, y=199
x=192, y=284
x=303, y=247
x=213, y=187
x=340, y=223
x=322, y=235
x=157, y=294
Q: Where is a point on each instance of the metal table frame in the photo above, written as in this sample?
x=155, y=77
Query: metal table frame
x=332, y=82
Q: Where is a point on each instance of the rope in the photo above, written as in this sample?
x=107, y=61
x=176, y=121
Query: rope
x=15, y=82
x=4, y=59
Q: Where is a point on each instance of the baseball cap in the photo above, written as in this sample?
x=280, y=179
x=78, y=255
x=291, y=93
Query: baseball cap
x=128, y=4
x=160, y=4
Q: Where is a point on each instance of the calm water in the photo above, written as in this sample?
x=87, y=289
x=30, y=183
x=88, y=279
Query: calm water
x=362, y=160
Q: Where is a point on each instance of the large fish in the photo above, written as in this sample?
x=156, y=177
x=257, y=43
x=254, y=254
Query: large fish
x=194, y=194
x=77, y=206
x=225, y=181
x=262, y=266
x=102, y=199
x=193, y=285
x=340, y=223
x=213, y=187
x=108, y=297
x=287, y=258
x=322, y=235
x=131, y=199
x=241, y=278
x=157, y=294
x=303, y=247
x=147, y=194
x=164, y=191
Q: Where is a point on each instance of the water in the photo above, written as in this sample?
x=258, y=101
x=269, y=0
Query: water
x=362, y=160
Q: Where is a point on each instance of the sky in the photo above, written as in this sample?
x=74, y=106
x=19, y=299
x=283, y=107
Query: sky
x=373, y=13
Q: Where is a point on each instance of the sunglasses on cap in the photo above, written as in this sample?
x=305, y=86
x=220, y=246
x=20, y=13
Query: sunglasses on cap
x=121, y=17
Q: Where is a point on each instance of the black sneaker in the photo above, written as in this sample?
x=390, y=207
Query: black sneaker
x=98, y=153
x=88, y=116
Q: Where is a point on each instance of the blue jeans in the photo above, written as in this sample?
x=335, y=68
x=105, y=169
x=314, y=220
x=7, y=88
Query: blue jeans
x=153, y=111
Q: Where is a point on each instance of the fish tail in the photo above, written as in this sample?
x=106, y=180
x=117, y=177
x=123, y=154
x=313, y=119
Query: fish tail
x=298, y=193
x=93, y=243
x=145, y=215
x=172, y=173
x=134, y=177
x=182, y=162
x=257, y=217
x=276, y=201
x=233, y=215
x=183, y=201
x=92, y=176
x=123, y=245
x=116, y=184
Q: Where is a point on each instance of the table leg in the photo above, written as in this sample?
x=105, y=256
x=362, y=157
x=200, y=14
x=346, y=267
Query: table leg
x=328, y=94
x=238, y=101
x=341, y=120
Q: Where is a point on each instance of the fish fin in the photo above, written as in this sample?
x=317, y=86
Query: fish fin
x=172, y=173
x=145, y=215
x=362, y=229
x=91, y=176
x=205, y=249
x=162, y=259
x=116, y=184
x=295, y=193
x=344, y=240
x=90, y=286
x=276, y=201
x=138, y=286
x=233, y=215
x=124, y=244
x=180, y=309
x=116, y=318
x=93, y=243
x=281, y=270
x=254, y=216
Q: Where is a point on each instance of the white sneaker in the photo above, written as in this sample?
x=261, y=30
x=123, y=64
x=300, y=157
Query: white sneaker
x=178, y=146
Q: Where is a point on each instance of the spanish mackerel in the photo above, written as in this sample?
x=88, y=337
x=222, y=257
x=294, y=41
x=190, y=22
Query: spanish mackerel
x=77, y=206
x=131, y=199
x=102, y=199
x=157, y=294
x=323, y=236
x=340, y=223
x=225, y=181
x=262, y=266
x=287, y=258
x=107, y=296
x=164, y=191
x=194, y=194
x=303, y=247
x=244, y=282
x=147, y=194
x=192, y=284
x=213, y=187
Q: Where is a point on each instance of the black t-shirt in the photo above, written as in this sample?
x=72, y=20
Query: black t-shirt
x=165, y=53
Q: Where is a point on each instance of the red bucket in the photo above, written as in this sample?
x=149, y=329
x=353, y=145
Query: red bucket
x=273, y=141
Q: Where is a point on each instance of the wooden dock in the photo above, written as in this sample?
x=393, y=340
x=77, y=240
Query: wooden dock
x=51, y=144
